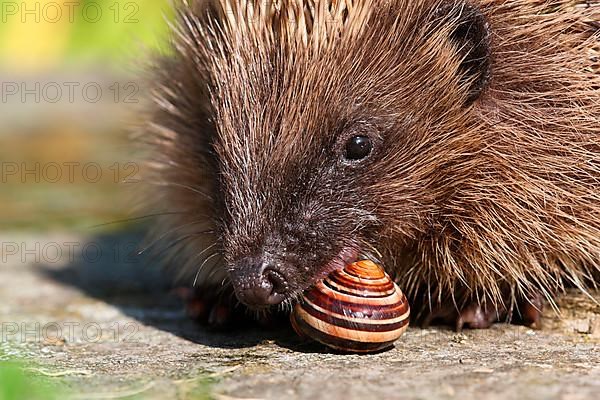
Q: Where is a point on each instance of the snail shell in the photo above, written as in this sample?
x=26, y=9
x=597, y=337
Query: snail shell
x=358, y=309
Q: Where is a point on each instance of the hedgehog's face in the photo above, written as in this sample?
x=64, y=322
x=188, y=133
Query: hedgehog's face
x=299, y=213
x=322, y=158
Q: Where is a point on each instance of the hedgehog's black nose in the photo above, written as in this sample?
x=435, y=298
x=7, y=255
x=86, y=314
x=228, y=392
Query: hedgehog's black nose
x=258, y=284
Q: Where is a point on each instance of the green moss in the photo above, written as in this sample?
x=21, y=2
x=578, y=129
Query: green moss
x=17, y=384
x=196, y=389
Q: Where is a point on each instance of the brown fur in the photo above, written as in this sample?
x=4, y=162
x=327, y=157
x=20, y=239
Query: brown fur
x=465, y=202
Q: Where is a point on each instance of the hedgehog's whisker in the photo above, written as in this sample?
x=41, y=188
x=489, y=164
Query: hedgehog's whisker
x=170, y=231
x=181, y=185
x=181, y=239
x=213, y=255
x=142, y=217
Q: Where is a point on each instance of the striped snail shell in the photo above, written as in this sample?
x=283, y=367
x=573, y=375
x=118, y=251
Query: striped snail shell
x=356, y=309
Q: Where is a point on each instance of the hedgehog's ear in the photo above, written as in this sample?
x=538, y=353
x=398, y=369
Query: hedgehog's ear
x=470, y=34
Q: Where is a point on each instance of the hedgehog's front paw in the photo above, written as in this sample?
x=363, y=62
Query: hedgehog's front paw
x=527, y=311
x=473, y=316
x=530, y=311
x=478, y=316
x=219, y=310
x=211, y=308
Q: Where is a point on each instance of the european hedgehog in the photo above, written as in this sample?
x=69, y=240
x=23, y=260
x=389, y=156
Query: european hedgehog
x=456, y=142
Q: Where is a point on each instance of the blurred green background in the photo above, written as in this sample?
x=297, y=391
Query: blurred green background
x=48, y=34
x=71, y=94
x=66, y=163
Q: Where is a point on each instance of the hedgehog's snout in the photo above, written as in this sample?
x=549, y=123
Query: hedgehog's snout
x=259, y=282
x=281, y=259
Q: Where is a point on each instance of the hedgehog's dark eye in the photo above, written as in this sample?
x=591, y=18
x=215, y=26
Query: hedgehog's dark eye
x=358, y=147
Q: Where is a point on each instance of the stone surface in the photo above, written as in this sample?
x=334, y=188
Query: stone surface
x=105, y=325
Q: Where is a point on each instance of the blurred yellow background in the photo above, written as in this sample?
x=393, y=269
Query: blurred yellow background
x=71, y=91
